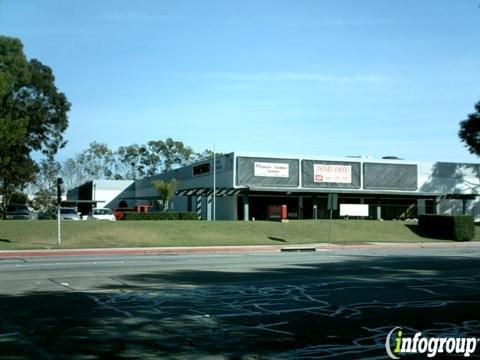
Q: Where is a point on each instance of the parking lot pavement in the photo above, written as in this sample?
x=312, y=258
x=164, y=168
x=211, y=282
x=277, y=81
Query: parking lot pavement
x=332, y=305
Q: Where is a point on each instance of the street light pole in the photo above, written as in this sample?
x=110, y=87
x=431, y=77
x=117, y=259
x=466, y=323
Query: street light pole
x=214, y=182
x=59, y=203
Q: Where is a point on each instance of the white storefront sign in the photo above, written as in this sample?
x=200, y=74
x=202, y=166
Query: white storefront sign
x=271, y=169
x=323, y=173
x=353, y=210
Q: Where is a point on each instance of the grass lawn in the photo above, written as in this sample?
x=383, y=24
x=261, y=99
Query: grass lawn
x=90, y=234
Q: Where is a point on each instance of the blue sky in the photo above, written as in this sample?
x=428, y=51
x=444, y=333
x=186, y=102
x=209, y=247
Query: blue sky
x=275, y=76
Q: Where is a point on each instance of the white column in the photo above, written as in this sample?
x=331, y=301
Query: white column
x=246, y=208
x=209, y=207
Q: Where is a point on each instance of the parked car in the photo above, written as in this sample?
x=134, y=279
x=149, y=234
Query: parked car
x=101, y=214
x=69, y=214
x=17, y=212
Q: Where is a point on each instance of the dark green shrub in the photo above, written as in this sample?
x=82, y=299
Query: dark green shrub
x=167, y=215
x=464, y=228
x=188, y=216
x=456, y=227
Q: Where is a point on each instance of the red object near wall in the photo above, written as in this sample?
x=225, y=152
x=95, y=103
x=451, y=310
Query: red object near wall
x=277, y=212
x=143, y=208
x=119, y=215
x=120, y=212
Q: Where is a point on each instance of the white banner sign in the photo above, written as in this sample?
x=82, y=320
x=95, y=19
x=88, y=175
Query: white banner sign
x=271, y=169
x=353, y=210
x=332, y=173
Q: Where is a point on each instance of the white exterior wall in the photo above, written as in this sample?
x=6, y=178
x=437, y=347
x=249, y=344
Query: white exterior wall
x=109, y=192
x=452, y=178
x=449, y=178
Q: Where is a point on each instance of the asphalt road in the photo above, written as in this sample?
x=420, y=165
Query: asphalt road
x=322, y=305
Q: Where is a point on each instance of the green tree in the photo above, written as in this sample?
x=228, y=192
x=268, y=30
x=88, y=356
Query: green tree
x=470, y=131
x=44, y=188
x=15, y=172
x=99, y=161
x=95, y=162
x=33, y=116
x=166, y=189
x=130, y=162
x=44, y=200
x=19, y=198
x=205, y=155
x=69, y=173
x=172, y=153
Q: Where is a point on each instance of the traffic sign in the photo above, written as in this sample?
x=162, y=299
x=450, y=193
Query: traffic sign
x=332, y=203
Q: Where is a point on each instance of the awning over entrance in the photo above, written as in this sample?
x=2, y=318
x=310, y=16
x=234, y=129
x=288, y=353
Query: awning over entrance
x=208, y=191
x=305, y=191
x=81, y=202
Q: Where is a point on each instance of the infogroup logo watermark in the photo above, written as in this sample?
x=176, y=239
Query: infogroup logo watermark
x=398, y=344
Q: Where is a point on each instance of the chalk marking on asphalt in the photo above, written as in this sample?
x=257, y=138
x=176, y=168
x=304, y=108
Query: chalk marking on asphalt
x=110, y=307
x=127, y=304
x=423, y=289
x=309, y=297
x=9, y=334
x=40, y=351
x=268, y=328
x=278, y=312
x=254, y=300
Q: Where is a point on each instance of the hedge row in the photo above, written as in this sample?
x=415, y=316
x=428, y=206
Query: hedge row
x=456, y=227
x=168, y=215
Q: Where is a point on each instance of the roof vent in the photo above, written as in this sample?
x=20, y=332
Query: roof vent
x=391, y=158
x=359, y=156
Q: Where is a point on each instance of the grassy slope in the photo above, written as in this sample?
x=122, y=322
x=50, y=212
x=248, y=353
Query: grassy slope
x=42, y=234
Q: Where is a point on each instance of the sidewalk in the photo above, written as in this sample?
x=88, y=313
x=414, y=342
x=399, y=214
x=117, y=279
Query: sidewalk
x=232, y=249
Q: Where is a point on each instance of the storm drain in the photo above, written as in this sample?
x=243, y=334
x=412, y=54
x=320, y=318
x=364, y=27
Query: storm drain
x=298, y=249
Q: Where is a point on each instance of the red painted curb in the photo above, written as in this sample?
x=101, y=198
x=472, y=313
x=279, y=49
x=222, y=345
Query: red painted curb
x=229, y=249
x=136, y=251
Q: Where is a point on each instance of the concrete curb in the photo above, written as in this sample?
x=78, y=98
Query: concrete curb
x=231, y=249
